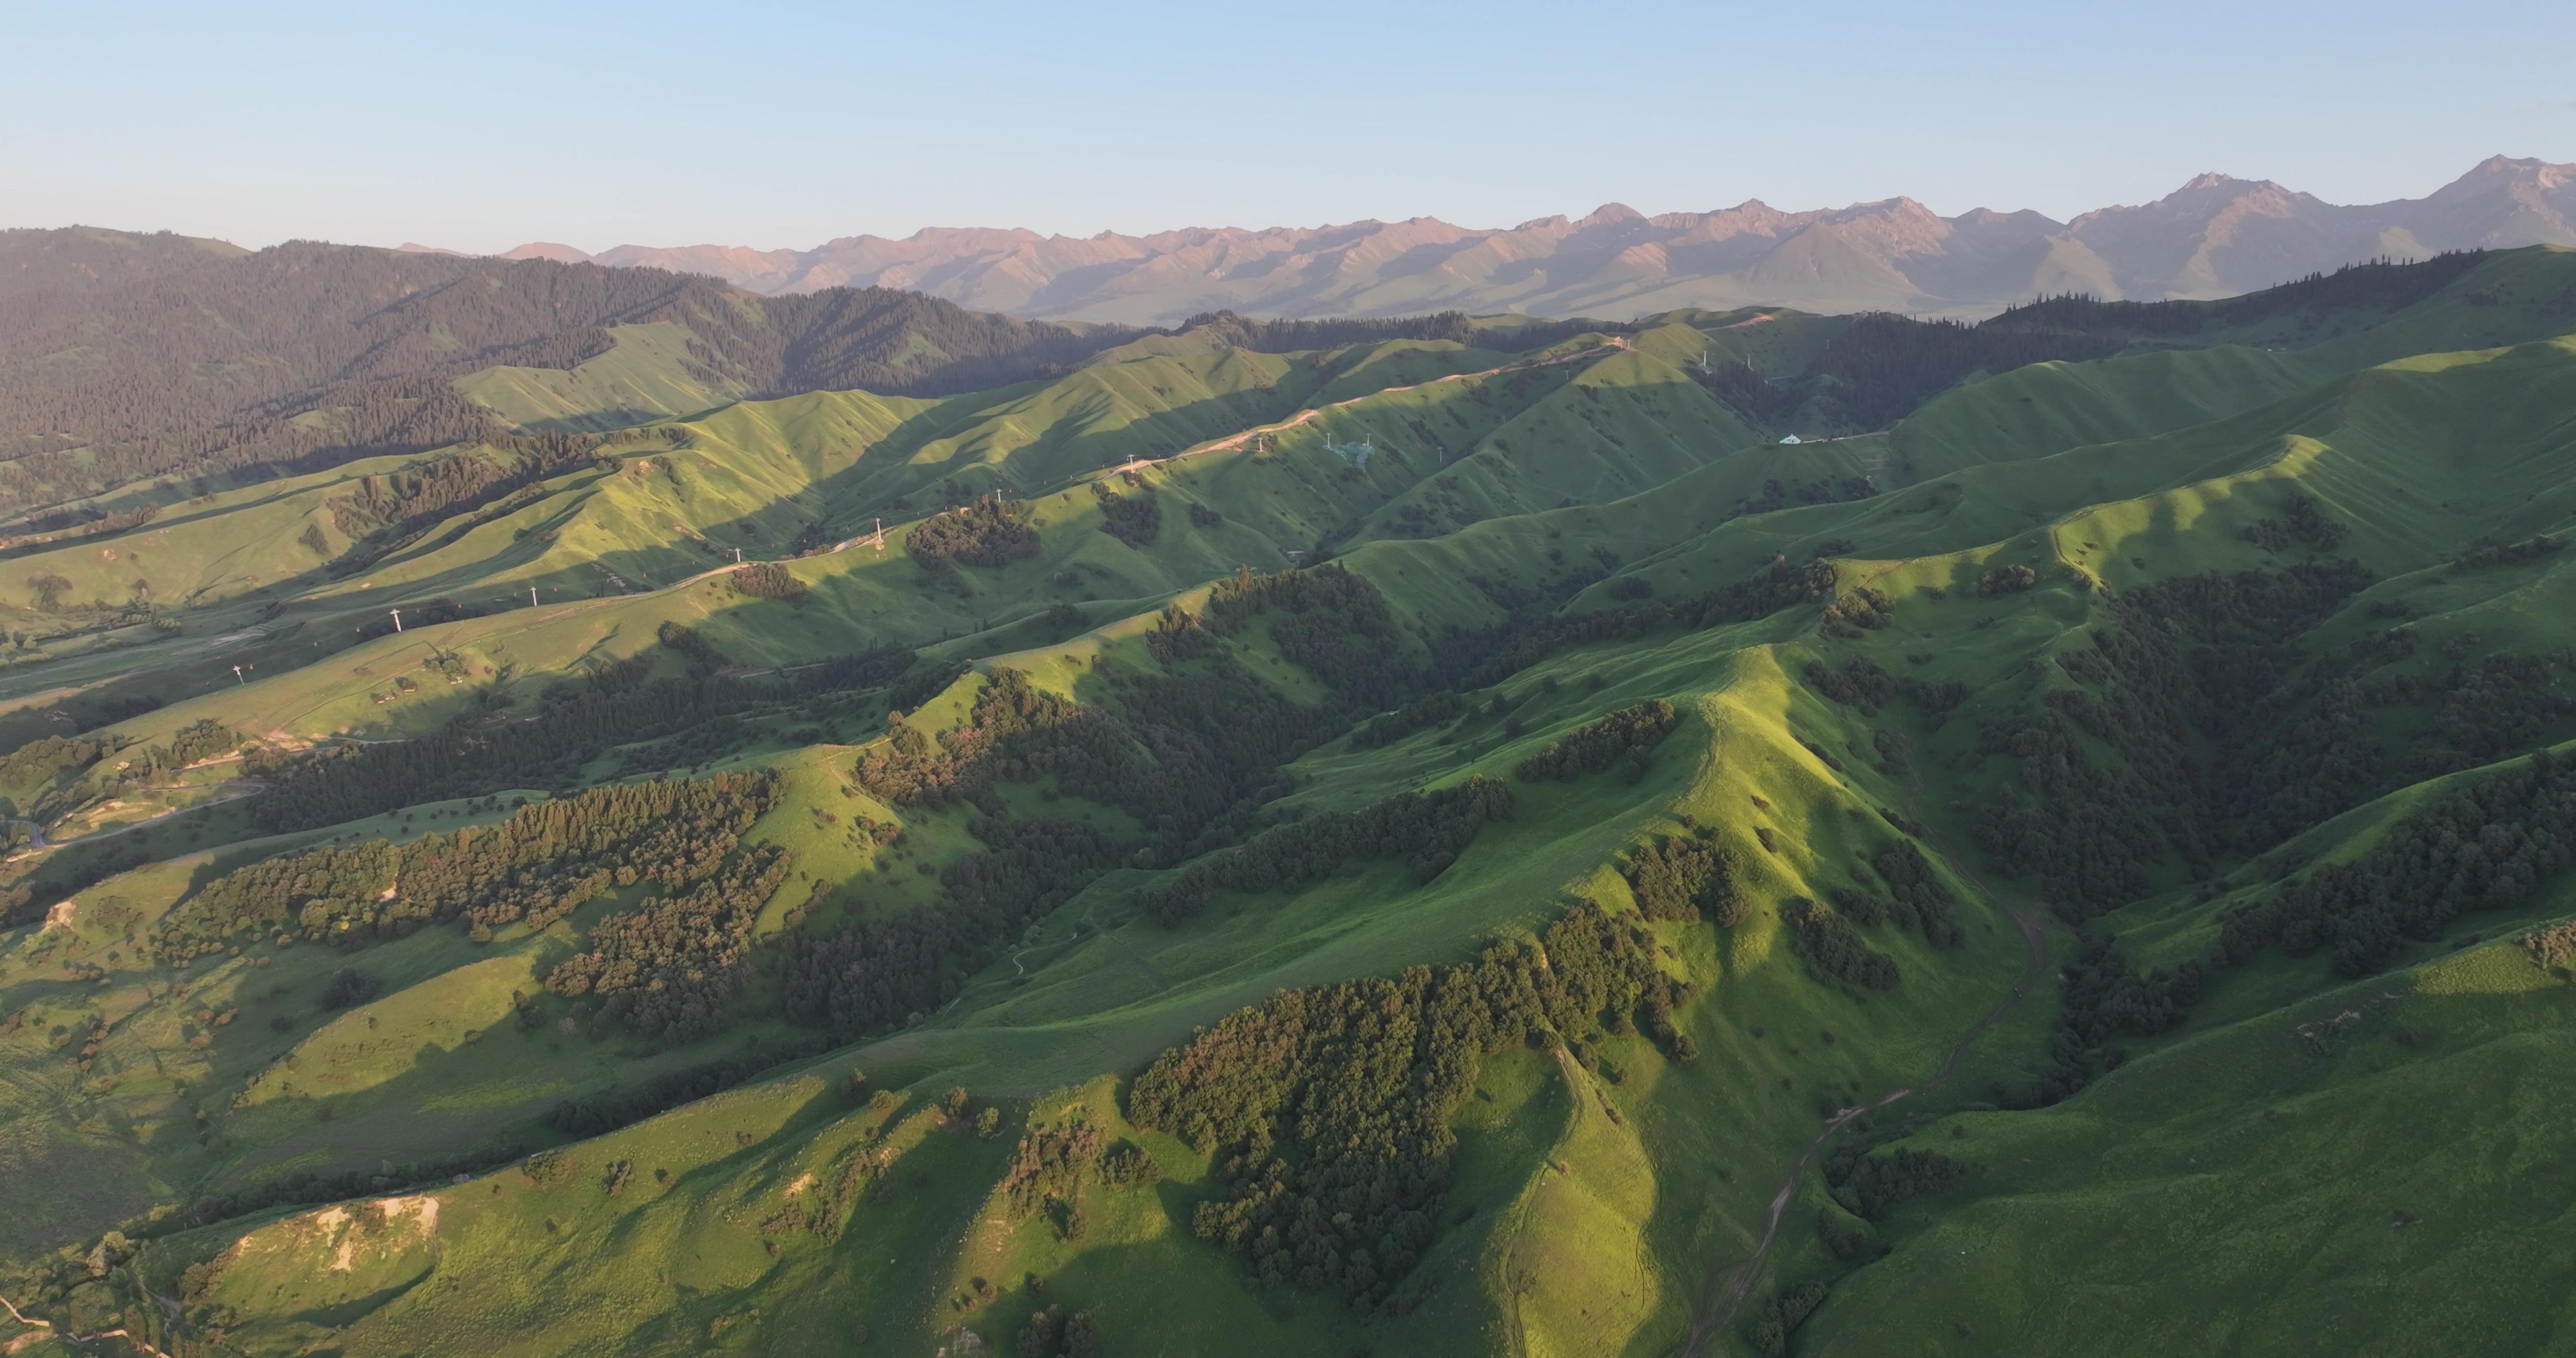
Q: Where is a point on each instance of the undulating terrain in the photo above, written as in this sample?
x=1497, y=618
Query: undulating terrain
x=567, y=810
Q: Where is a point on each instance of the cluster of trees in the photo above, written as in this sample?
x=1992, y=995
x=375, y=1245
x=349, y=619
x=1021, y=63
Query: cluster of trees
x=2551, y=948
x=2102, y=998
x=1624, y=740
x=1054, y=1332
x=2488, y=554
x=2004, y=580
x=88, y=524
x=1834, y=948
x=1882, y=366
x=1050, y=1164
x=1857, y=611
x=481, y=752
x=1776, y=585
x=2482, y=711
x=2379, y=283
x=1861, y=683
x=1687, y=879
x=1177, y=637
x=987, y=531
x=1918, y=899
x=350, y=987
x=1330, y=623
x=2302, y=520
x=1328, y=1110
x=1867, y=1185
x=1132, y=519
x=1748, y=392
x=1428, y=829
x=2204, y=654
x=387, y=513
x=536, y=866
x=883, y=969
x=766, y=580
x=2483, y=846
x=667, y=967
x=45, y=763
x=1781, y=1316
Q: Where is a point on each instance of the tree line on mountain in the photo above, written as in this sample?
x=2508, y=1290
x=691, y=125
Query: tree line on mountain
x=1189, y=754
x=1677, y=878
x=1882, y=366
x=1834, y=948
x=534, y=866
x=2379, y=284
x=304, y=355
x=667, y=967
x=2488, y=555
x=2484, y=845
x=1624, y=739
x=482, y=751
x=1917, y=898
x=2206, y=654
x=2101, y=999
x=385, y=513
x=1867, y=1185
x=1532, y=637
x=2303, y=521
x=1334, y=625
x=1426, y=829
x=765, y=580
x=879, y=970
x=1327, y=1111
x=987, y=531
x=1132, y=519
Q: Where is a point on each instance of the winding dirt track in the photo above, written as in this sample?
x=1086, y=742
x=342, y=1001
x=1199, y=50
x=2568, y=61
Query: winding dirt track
x=1719, y=1313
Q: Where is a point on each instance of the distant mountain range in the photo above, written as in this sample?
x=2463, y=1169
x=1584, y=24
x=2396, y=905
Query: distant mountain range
x=2214, y=237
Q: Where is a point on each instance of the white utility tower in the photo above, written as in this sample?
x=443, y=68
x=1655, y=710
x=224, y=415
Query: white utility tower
x=397, y=619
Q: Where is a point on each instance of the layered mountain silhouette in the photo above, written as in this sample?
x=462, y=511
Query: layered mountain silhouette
x=2215, y=236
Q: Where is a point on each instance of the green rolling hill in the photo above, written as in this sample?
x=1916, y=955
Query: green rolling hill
x=1733, y=833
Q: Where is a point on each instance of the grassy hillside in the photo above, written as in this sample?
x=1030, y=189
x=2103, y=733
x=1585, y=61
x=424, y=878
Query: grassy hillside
x=1655, y=889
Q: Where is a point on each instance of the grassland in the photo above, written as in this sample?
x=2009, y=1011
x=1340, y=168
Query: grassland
x=2265, y=1174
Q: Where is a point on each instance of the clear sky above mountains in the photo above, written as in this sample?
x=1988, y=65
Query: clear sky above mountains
x=477, y=126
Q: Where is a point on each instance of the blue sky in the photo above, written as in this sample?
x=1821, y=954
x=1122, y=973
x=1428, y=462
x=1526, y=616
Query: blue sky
x=477, y=126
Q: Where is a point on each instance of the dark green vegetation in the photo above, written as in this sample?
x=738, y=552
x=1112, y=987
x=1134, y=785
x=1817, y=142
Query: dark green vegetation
x=1293, y=838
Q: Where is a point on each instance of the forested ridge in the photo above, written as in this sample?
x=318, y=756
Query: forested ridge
x=534, y=866
x=1329, y=1109
x=306, y=354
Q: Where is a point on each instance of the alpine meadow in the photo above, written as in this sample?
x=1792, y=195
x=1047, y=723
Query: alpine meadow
x=565, y=808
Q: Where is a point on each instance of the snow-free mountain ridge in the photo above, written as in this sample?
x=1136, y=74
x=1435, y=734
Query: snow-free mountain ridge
x=2215, y=236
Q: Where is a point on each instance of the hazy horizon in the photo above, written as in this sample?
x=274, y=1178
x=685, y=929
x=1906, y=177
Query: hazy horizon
x=788, y=125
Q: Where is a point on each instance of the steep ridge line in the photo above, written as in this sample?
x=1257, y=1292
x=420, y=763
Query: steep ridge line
x=1312, y=413
x=1721, y=1310
x=1306, y=416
